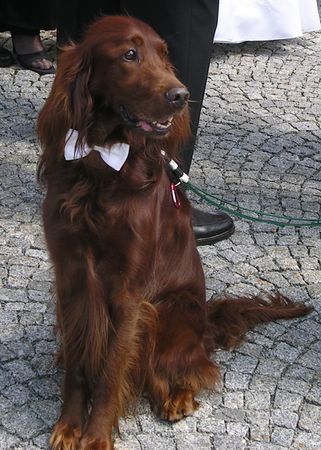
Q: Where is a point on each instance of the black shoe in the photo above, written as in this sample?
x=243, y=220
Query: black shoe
x=211, y=227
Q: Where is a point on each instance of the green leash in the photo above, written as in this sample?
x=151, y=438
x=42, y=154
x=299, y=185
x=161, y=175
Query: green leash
x=238, y=211
x=252, y=214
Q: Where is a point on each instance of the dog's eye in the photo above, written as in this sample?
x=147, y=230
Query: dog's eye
x=131, y=55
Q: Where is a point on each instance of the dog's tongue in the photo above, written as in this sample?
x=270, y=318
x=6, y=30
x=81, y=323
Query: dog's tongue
x=145, y=125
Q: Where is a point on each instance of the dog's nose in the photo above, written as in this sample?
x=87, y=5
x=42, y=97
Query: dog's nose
x=177, y=96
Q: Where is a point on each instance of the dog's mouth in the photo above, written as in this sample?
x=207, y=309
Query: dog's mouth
x=144, y=125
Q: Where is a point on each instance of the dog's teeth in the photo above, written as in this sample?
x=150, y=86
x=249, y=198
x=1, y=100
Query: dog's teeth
x=163, y=125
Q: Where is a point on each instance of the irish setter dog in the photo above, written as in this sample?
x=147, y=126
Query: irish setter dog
x=131, y=304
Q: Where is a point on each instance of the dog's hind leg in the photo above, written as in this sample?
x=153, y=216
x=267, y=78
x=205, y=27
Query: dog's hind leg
x=179, y=366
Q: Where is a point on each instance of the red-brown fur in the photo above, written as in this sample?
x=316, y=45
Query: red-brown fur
x=130, y=286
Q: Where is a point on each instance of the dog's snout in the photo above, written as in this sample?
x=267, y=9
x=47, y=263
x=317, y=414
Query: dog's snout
x=177, y=96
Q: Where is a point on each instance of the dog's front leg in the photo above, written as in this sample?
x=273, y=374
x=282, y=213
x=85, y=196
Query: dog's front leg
x=68, y=430
x=83, y=322
x=113, y=388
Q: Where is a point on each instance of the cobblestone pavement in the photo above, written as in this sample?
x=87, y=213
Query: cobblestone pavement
x=260, y=146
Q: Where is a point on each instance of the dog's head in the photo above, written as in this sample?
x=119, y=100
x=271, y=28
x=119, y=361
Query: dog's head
x=118, y=78
x=131, y=74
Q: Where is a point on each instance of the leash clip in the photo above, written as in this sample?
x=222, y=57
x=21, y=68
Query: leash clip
x=179, y=174
x=174, y=195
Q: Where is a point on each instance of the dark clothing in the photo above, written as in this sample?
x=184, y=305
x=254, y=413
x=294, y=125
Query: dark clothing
x=27, y=15
x=187, y=26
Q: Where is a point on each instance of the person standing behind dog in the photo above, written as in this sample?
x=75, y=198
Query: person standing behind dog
x=188, y=27
x=24, y=21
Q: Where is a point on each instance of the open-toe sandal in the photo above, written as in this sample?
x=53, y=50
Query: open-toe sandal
x=28, y=59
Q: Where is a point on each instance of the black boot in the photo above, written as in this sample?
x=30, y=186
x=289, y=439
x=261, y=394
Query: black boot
x=211, y=227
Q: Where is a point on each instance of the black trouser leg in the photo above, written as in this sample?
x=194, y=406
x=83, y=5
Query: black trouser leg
x=74, y=16
x=188, y=27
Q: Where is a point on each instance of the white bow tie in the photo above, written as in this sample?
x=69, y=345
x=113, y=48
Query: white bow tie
x=114, y=155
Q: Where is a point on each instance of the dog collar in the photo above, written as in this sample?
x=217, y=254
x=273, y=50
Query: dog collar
x=114, y=155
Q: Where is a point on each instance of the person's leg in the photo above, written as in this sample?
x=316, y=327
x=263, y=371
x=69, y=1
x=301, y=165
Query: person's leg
x=73, y=17
x=188, y=27
x=29, y=50
x=24, y=20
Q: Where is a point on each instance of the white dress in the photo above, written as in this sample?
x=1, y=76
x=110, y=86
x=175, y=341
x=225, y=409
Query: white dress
x=265, y=20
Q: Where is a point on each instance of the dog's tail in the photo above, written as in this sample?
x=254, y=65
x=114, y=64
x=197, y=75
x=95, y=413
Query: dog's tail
x=229, y=318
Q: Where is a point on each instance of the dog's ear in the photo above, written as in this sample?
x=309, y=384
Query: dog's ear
x=69, y=104
x=80, y=99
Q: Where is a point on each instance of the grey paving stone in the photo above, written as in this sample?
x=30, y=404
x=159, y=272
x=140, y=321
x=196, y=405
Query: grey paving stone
x=300, y=372
x=308, y=441
x=284, y=418
x=19, y=370
x=130, y=443
x=310, y=418
x=192, y=440
x=265, y=446
x=148, y=441
x=7, y=440
x=282, y=436
x=244, y=364
x=26, y=424
x=286, y=352
x=212, y=425
x=271, y=367
x=46, y=388
x=234, y=400
x=263, y=383
x=238, y=429
x=236, y=381
x=314, y=396
x=17, y=394
x=228, y=443
x=287, y=400
x=257, y=400
x=295, y=386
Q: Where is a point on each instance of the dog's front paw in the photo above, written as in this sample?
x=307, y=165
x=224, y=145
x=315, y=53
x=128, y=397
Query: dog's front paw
x=91, y=442
x=179, y=405
x=65, y=436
